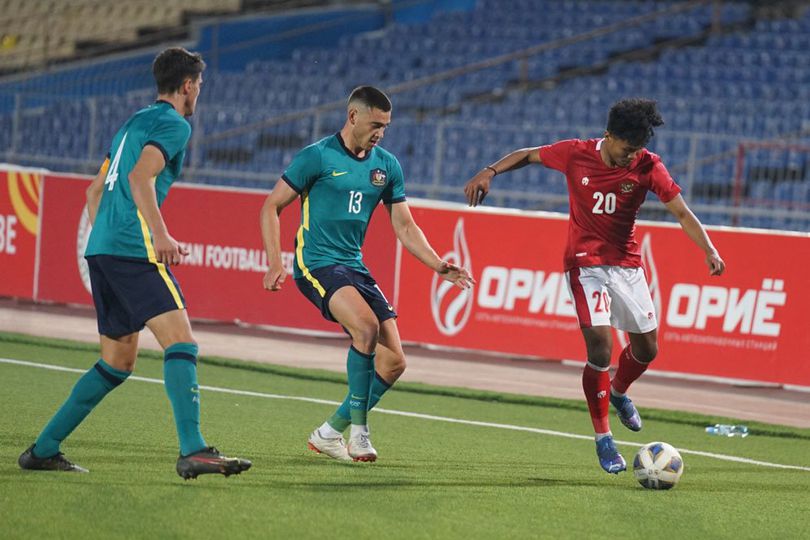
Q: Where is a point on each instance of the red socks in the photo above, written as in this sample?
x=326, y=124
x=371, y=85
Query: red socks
x=629, y=370
x=596, y=384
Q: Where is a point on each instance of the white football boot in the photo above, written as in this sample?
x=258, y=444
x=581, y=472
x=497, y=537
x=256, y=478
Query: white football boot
x=360, y=448
x=335, y=447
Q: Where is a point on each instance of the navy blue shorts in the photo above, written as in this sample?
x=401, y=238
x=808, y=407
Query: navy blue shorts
x=325, y=281
x=128, y=292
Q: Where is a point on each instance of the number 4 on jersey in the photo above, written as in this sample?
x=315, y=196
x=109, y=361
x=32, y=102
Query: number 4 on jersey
x=112, y=172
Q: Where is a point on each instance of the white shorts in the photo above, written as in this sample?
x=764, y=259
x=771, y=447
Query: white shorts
x=612, y=296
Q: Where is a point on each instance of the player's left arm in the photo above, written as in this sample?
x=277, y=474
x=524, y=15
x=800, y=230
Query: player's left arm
x=414, y=240
x=95, y=190
x=694, y=229
x=142, y=186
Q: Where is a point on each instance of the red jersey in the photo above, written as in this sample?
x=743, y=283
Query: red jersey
x=604, y=201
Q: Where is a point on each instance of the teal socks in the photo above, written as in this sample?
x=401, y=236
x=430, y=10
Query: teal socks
x=360, y=368
x=342, y=417
x=180, y=379
x=88, y=392
x=378, y=388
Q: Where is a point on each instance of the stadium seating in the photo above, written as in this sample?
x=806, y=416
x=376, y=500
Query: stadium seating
x=42, y=31
x=749, y=84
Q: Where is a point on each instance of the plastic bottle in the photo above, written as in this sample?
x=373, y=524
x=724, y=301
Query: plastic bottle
x=727, y=430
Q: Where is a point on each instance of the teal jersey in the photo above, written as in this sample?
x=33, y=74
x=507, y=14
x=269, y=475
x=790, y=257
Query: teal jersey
x=339, y=193
x=119, y=229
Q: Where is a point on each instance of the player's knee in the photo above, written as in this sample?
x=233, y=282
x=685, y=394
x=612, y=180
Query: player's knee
x=365, y=335
x=128, y=365
x=599, y=357
x=646, y=354
x=123, y=361
x=398, y=365
x=185, y=337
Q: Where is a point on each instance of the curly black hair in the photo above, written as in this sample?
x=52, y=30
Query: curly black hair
x=633, y=120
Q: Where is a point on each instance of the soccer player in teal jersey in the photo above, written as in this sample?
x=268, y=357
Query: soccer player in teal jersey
x=341, y=180
x=129, y=253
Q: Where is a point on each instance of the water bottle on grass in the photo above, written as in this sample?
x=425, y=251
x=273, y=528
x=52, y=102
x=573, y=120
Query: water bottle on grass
x=727, y=430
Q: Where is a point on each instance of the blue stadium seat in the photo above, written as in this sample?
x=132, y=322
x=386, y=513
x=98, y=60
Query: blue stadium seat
x=749, y=84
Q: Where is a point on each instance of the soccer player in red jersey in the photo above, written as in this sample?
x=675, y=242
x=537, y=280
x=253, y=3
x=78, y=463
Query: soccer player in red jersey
x=608, y=180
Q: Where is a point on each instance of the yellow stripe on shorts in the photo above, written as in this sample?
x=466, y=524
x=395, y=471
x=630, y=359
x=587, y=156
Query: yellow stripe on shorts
x=299, y=250
x=150, y=253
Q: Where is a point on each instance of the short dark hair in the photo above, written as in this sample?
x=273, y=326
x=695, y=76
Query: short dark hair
x=371, y=97
x=633, y=120
x=173, y=66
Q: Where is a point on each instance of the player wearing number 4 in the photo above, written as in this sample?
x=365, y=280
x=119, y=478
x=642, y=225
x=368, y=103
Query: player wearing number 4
x=128, y=253
x=341, y=180
x=608, y=180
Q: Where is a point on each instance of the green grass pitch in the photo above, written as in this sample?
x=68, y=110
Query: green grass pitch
x=434, y=479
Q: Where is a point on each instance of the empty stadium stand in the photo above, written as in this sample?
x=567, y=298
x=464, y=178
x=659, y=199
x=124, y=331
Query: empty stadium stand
x=723, y=79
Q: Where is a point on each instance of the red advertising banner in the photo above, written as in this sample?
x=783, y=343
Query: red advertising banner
x=20, y=191
x=221, y=278
x=747, y=324
x=63, y=227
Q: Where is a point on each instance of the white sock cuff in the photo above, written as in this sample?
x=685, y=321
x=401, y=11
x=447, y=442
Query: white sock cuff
x=633, y=356
x=328, y=431
x=358, y=429
x=597, y=368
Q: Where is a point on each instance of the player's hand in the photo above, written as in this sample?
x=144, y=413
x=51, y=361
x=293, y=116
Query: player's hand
x=460, y=277
x=168, y=250
x=274, y=277
x=716, y=265
x=478, y=186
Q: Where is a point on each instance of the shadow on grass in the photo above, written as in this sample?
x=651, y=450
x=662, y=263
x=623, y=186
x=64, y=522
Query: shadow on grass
x=671, y=417
x=389, y=484
x=270, y=481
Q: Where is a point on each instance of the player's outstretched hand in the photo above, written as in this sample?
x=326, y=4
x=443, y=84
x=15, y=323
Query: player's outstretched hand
x=477, y=188
x=274, y=278
x=459, y=276
x=716, y=265
x=168, y=250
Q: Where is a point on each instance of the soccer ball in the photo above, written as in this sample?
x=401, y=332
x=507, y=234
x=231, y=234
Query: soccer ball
x=658, y=465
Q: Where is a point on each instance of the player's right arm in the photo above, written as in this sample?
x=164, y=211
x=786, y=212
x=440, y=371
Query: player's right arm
x=478, y=186
x=281, y=196
x=142, y=185
x=95, y=189
x=298, y=178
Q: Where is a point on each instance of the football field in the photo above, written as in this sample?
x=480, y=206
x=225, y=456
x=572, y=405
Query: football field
x=453, y=463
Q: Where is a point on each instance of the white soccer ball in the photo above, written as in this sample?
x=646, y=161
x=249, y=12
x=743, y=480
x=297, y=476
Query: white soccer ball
x=658, y=465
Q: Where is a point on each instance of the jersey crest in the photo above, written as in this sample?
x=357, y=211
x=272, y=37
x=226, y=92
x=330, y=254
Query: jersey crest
x=378, y=177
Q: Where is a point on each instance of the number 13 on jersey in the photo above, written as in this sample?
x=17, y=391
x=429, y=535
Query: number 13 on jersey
x=355, y=201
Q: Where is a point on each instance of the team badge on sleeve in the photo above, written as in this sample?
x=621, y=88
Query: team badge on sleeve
x=378, y=177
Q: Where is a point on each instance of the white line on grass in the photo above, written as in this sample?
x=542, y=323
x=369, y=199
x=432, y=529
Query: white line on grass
x=722, y=457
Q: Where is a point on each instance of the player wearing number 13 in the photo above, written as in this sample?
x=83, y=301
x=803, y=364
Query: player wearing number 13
x=341, y=180
x=608, y=180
